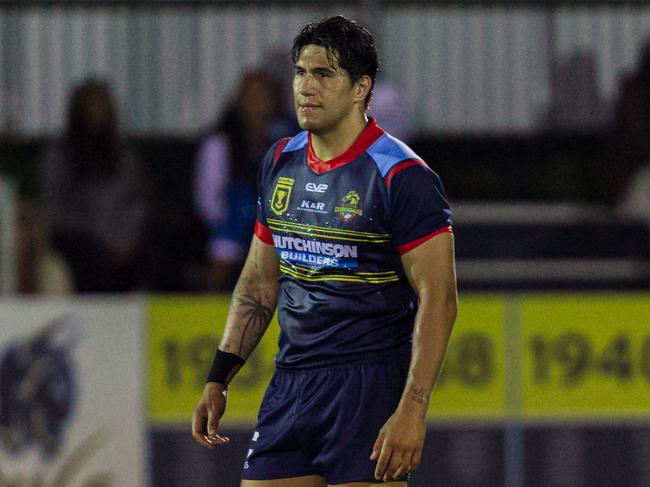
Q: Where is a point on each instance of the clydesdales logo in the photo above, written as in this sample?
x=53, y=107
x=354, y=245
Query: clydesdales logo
x=350, y=206
x=281, y=195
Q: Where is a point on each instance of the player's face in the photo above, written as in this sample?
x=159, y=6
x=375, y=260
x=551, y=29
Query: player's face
x=324, y=95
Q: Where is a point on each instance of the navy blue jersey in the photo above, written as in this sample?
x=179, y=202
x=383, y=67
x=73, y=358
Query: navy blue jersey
x=339, y=228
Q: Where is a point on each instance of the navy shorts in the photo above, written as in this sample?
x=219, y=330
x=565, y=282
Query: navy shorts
x=324, y=421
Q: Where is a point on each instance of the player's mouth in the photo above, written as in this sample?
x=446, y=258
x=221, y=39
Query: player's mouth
x=308, y=107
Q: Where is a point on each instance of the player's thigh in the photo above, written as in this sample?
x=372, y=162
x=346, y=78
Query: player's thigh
x=368, y=484
x=306, y=481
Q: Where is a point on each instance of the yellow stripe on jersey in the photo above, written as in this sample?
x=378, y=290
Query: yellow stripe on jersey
x=312, y=231
x=315, y=271
x=340, y=231
x=330, y=237
x=322, y=276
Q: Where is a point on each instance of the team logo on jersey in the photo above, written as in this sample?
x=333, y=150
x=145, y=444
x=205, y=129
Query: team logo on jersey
x=350, y=206
x=281, y=195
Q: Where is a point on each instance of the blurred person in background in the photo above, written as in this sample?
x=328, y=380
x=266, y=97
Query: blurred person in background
x=629, y=149
x=630, y=181
x=225, y=185
x=389, y=105
x=94, y=195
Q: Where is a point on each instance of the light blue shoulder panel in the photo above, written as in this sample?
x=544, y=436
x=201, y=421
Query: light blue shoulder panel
x=387, y=151
x=298, y=142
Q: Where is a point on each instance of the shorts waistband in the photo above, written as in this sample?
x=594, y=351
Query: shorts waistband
x=400, y=355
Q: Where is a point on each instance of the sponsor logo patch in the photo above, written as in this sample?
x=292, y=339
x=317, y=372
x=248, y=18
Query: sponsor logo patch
x=314, y=253
x=281, y=195
x=312, y=206
x=316, y=187
x=350, y=206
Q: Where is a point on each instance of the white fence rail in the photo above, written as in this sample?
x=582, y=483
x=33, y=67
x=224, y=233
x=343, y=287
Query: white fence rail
x=479, y=68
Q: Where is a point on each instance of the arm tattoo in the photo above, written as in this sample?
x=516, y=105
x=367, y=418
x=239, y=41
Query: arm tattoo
x=255, y=317
x=418, y=394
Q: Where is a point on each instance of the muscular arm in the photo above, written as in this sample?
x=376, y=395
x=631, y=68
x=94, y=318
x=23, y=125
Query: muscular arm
x=430, y=270
x=253, y=301
x=251, y=309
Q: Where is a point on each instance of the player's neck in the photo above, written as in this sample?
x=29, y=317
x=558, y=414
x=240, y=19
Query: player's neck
x=332, y=144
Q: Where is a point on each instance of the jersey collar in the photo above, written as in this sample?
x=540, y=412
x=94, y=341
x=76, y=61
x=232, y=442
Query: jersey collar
x=370, y=133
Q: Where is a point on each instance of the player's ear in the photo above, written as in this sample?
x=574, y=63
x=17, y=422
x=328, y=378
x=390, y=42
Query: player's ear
x=362, y=87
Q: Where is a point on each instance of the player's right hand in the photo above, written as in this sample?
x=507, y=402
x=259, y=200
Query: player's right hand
x=208, y=412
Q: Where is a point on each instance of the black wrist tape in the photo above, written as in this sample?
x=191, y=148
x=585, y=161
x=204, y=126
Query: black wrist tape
x=222, y=365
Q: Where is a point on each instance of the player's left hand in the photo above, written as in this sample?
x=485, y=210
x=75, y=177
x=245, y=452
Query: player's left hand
x=398, y=448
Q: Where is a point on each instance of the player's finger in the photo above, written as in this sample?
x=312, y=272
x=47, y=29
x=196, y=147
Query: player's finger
x=405, y=466
x=415, y=461
x=393, y=465
x=198, y=430
x=376, y=448
x=217, y=440
x=382, y=463
x=213, y=422
x=213, y=436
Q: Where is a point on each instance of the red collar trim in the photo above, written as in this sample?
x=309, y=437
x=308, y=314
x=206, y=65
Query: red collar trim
x=366, y=138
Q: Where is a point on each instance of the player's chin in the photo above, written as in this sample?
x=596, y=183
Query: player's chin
x=307, y=123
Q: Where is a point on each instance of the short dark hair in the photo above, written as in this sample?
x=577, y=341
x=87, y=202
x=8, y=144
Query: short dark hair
x=346, y=41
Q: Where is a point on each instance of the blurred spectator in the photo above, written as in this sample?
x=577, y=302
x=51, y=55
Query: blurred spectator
x=226, y=172
x=635, y=203
x=94, y=195
x=630, y=147
x=576, y=102
x=280, y=66
x=391, y=110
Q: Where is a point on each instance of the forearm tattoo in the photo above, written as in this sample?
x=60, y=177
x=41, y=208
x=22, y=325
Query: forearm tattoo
x=418, y=394
x=253, y=318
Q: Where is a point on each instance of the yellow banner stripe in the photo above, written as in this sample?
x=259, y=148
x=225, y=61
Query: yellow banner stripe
x=329, y=230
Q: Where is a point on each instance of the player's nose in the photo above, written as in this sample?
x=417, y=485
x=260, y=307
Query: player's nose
x=306, y=85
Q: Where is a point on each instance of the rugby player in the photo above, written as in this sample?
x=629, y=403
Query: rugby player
x=354, y=247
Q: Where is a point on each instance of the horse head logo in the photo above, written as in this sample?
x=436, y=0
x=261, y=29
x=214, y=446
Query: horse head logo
x=37, y=392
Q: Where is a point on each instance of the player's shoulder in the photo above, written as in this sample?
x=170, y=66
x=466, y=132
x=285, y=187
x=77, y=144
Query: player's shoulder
x=391, y=156
x=295, y=143
x=286, y=145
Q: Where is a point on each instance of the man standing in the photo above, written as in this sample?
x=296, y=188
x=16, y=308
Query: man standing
x=353, y=245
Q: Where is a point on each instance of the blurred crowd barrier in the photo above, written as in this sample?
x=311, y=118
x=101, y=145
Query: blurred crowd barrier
x=538, y=389
x=495, y=67
x=526, y=216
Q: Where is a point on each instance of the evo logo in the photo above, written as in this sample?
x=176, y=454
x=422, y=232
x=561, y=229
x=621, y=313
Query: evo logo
x=316, y=188
x=312, y=206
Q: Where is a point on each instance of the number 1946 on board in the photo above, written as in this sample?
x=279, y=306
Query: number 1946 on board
x=573, y=357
